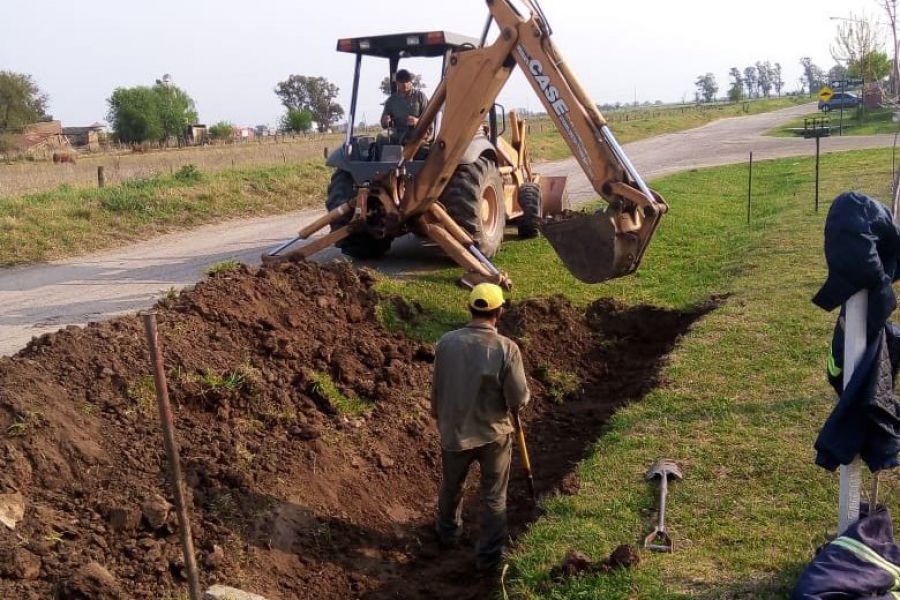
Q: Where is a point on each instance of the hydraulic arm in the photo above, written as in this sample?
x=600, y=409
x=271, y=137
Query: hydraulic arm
x=595, y=247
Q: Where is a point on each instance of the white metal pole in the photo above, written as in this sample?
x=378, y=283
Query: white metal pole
x=854, y=347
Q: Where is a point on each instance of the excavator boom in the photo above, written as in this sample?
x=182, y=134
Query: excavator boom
x=409, y=195
x=597, y=247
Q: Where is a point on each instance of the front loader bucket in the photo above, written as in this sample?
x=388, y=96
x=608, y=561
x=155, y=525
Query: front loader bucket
x=593, y=249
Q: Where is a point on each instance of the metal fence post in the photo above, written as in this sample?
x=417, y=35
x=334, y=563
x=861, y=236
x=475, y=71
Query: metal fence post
x=854, y=347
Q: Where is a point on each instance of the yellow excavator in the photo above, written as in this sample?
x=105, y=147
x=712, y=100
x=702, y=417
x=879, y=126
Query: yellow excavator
x=457, y=181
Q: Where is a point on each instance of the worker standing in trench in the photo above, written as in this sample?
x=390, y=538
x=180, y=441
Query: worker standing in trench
x=478, y=380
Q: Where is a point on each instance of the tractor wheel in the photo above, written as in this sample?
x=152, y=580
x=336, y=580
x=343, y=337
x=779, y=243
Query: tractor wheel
x=474, y=199
x=362, y=246
x=530, y=201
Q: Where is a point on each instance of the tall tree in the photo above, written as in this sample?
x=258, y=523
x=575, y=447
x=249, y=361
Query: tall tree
x=134, y=114
x=751, y=77
x=313, y=94
x=874, y=66
x=890, y=9
x=142, y=113
x=777, y=78
x=707, y=87
x=813, y=76
x=21, y=101
x=176, y=108
x=764, y=78
x=855, y=41
x=736, y=91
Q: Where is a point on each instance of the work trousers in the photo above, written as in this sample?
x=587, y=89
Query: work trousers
x=494, y=459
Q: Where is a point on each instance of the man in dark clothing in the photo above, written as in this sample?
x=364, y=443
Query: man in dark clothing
x=478, y=380
x=403, y=109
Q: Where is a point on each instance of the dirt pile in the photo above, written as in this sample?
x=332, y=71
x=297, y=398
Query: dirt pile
x=311, y=461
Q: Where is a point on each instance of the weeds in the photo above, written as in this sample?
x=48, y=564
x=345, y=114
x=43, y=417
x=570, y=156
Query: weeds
x=346, y=404
x=223, y=267
x=561, y=385
x=143, y=394
x=26, y=423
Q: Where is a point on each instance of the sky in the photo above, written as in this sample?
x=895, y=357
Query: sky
x=229, y=55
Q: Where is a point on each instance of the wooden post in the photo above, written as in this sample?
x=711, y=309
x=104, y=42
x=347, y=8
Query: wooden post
x=171, y=446
x=101, y=177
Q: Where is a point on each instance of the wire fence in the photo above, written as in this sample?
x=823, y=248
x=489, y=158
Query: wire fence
x=120, y=166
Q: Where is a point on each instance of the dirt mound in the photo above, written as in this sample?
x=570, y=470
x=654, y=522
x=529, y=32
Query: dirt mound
x=311, y=461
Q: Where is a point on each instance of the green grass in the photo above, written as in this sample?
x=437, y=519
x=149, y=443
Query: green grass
x=69, y=220
x=744, y=397
x=344, y=403
x=630, y=125
x=868, y=122
x=223, y=267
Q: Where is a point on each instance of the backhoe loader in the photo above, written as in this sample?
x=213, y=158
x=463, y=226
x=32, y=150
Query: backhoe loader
x=457, y=181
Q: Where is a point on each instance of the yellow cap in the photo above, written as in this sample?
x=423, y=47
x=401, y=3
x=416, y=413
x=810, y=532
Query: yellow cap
x=486, y=297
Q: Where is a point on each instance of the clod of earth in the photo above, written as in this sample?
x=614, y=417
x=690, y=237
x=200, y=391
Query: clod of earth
x=287, y=494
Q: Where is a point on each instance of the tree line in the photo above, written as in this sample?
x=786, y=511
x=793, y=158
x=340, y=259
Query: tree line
x=163, y=111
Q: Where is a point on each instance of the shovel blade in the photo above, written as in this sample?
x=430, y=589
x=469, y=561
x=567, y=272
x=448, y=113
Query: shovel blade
x=591, y=248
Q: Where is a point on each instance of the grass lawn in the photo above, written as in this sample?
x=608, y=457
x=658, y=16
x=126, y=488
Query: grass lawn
x=630, y=125
x=744, y=397
x=69, y=220
x=869, y=122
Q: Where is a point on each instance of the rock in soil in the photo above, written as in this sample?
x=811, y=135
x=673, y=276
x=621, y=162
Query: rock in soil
x=221, y=592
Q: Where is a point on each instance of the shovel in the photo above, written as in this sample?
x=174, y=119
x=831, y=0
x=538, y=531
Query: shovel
x=526, y=461
x=659, y=539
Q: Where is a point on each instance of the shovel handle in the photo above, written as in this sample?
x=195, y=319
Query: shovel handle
x=523, y=450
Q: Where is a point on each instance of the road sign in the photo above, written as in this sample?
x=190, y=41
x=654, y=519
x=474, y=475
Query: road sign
x=826, y=93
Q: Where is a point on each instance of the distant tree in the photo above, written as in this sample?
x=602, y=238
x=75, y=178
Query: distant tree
x=142, y=113
x=297, y=121
x=223, y=130
x=706, y=87
x=751, y=77
x=176, y=108
x=778, y=78
x=313, y=94
x=386, y=84
x=736, y=91
x=134, y=114
x=837, y=73
x=764, y=78
x=874, y=66
x=813, y=76
x=855, y=43
x=890, y=9
x=21, y=101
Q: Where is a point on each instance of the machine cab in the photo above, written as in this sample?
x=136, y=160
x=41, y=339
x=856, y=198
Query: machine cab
x=365, y=155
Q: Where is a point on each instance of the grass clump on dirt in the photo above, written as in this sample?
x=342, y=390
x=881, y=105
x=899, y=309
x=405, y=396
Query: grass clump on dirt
x=346, y=404
x=223, y=267
x=70, y=220
x=560, y=384
x=743, y=399
x=632, y=124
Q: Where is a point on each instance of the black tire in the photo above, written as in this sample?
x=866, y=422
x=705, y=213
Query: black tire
x=530, y=201
x=362, y=246
x=474, y=199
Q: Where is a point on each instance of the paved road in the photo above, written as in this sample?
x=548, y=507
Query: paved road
x=46, y=297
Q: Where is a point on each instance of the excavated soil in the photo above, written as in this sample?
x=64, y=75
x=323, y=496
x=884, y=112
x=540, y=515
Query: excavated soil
x=292, y=494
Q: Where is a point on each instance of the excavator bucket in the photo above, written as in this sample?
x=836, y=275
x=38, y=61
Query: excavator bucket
x=592, y=246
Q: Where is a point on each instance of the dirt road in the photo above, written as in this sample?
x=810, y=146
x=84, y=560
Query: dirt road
x=42, y=298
